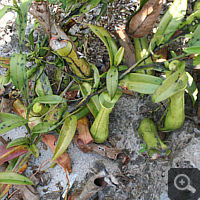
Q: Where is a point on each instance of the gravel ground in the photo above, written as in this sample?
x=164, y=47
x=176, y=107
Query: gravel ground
x=141, y=178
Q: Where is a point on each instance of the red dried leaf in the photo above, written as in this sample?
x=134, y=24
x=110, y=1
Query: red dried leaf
x=70, y=95
x=4, y=188
x=5, y=62
x=142, y=22
x=84, y=137
x=13, y=152
x=64, y=159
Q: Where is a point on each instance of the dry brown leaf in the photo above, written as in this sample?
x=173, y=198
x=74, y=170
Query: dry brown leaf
x=163, y=53
x=125, y=42
x=6, y=105
x=6, y=89
x=29, y=192
x=64, y=159
x=40, y=10
x=103, y=150
x=84, y=136
x=70, y=95
x=95, y=184
x=142, y=22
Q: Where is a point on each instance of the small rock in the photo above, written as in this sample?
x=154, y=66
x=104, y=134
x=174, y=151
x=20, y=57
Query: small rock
x=6, y=50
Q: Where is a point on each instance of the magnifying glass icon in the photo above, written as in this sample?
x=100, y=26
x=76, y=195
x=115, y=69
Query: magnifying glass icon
x=182, y=182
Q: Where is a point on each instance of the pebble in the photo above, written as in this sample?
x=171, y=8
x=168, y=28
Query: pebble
x=6, y=50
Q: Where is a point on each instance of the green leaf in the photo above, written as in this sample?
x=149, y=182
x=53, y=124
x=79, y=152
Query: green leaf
x=66, y=135
x=170, y=86
x=142, y=150
x=49, y=99
x=194, y=41
x=119, y=56
x=122, y=67
x=192, y=88
x=6, y=9
x=17, y=69
x=93, y=104
x=18, y=141
x=12, y=122
x=141, y=83
x=177, y=17
x=191, y=22
x=14, y=179
x=192, y=50
x=30, y=37
x=112, y=81
x=35, y=150
x=107, y=40
x=43, y=86
x=103, y=11
x=95, y=76
x=43, y=128
x=164, y=23
x=143, y=145
x=22, y=20
x=196, y=60
x=112, y=48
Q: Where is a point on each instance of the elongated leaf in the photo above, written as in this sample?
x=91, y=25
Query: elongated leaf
x=192, y=88
x=95, y=76
x=119, y=56
x=49, y=99
x=35, y=150
x=112, y=47
x=43, y=86
x=66, y=135
x=14, y=179
x=13, y=122
x=93, y=104
x=44, y=127
x=13, y=152
x=30, y=37
x=17, y=69
x=170, y=86
x=112, y=81
x=6, y=9
x=176, y=19
x=191, y=22
x=194, y=41
x=16, y=165
x=18, y=141
x=164, y=23
x=196, y=60
x=192, y=50
x=107, y=40
x=25, y=88
x=22, y=20
x=142, y=83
